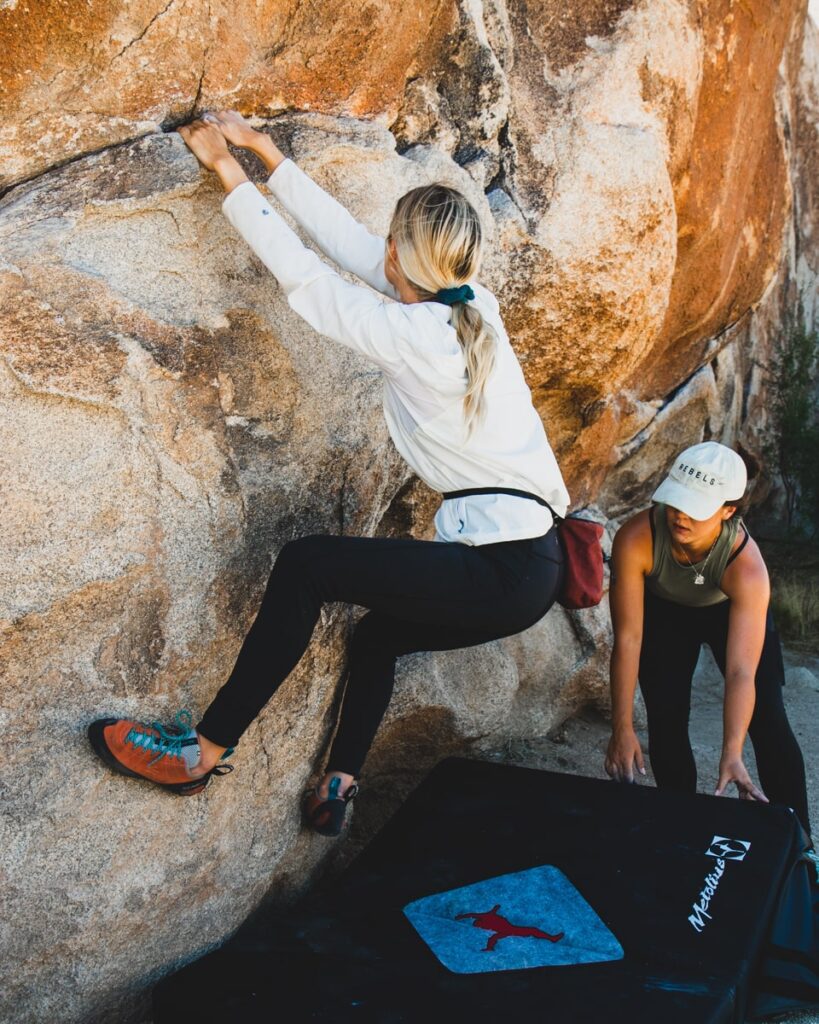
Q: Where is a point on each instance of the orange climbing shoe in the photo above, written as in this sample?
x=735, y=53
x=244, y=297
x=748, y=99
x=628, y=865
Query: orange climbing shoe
x=166, y=758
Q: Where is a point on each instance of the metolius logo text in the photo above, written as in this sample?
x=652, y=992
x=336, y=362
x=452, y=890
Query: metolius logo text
x=722, y=849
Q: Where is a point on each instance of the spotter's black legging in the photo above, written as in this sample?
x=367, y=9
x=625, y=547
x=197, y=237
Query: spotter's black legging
x=672, y=637
x=422, y=596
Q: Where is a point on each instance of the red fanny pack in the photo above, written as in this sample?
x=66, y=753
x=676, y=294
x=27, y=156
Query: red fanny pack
x=582, y=585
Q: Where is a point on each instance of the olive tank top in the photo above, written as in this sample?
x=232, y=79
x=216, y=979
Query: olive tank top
x=673, y=581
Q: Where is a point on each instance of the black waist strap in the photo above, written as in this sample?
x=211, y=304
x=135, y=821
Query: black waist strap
x=501, y=490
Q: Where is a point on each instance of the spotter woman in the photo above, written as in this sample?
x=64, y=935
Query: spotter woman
x=686, y=573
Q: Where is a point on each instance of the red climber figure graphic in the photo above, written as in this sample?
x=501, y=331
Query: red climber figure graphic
x=503, y=929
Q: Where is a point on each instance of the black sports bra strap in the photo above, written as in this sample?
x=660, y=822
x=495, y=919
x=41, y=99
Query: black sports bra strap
x=501, y=490
x=738, y=551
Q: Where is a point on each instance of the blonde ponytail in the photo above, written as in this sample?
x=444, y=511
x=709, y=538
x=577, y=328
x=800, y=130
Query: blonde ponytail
x=479, y=344
x=437, y=237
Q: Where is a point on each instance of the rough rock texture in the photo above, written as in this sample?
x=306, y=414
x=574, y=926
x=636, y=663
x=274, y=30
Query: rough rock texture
x=647, y=174
x=122, y=70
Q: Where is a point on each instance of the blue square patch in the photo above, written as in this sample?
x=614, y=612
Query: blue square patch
x=533, y=918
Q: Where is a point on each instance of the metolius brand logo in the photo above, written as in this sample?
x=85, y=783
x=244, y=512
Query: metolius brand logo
x=728, y=849
x=723, y=849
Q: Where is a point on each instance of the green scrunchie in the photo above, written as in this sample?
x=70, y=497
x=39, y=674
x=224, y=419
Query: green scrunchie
x=450, y=296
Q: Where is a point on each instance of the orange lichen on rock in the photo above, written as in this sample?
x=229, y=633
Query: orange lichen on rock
x=733, y=196
x=78, y=77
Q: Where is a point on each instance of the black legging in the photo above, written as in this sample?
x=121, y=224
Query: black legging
x=672, y=637
x=422, y=596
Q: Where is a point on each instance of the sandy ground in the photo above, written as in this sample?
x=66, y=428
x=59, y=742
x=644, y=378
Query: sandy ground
x=578, y=747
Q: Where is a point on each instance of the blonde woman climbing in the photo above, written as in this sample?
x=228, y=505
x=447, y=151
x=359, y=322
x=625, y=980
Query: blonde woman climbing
x=459, y=412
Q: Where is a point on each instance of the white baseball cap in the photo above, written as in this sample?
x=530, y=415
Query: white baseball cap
x=702, y=479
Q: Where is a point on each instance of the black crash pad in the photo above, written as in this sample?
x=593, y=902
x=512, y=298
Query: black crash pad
x=626, y=905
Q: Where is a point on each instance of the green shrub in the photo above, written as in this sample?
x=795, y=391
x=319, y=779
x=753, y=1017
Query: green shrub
x=796, y=611
x=793, y=446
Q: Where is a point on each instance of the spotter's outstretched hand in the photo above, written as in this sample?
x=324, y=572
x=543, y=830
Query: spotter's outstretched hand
x=734, y=770
x=623, y=756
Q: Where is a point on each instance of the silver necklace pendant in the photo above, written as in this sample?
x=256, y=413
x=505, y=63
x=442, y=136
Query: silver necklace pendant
x=699, y=574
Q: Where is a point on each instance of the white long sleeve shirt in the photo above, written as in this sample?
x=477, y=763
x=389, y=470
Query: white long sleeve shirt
x=421, y=360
